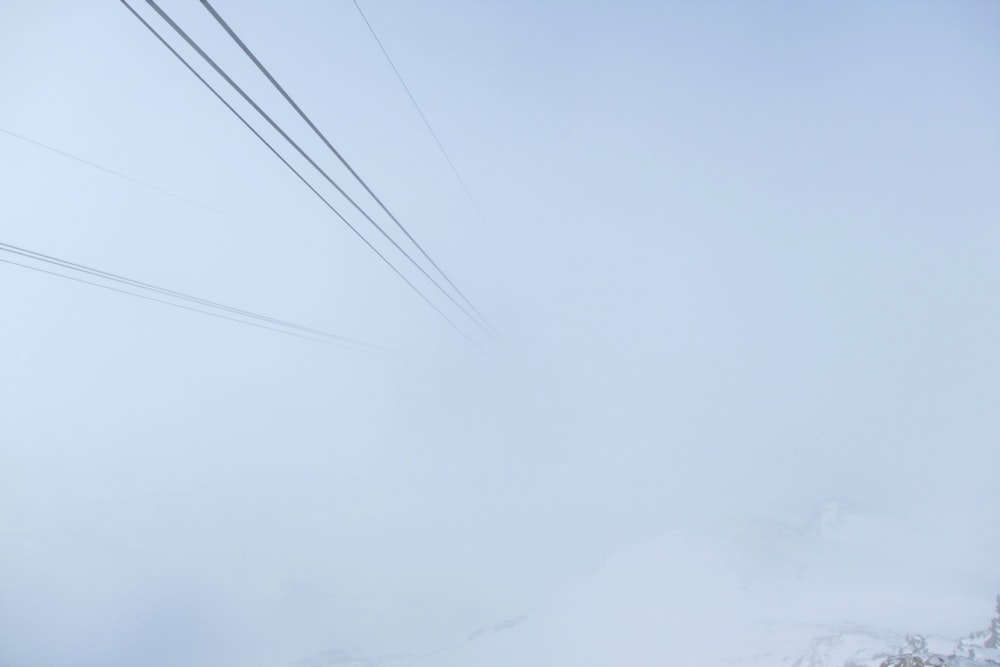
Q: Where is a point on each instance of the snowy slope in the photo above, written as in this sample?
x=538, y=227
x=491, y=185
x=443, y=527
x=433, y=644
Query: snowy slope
x=760, y=594
x=833, y=590
x=522, y=642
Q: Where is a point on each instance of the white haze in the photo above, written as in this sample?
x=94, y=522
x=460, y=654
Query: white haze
x=744, y=258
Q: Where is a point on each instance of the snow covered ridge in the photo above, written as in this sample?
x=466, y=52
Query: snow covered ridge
x=831, y=590
x=857, y=647
x=909, y=660
x=757, y=594
x=792, y=645
x=977, y=648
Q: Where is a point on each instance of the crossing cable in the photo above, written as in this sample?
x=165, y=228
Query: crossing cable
x=117, y=173
x=180, y=31
x=302, y=114
x=427, y=123
x=299, y=175
x=107, y=275
x=329, y=339
x=136, y=181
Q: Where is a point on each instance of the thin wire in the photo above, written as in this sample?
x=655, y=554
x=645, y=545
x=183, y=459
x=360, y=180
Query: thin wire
x=302, y=114
x=7, y=247
x=423, y=117
x=114, y=173
x=128, y=178
x=298, y=174
x=172, y=303
x=180, y=31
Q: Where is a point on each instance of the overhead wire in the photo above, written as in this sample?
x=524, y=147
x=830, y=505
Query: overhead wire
x=201, y=52
x=119, y=174
x=423, y=117
x=136, y=181
x=298, y=174
x=302, y=114
x=320, y=337
x=107, y=275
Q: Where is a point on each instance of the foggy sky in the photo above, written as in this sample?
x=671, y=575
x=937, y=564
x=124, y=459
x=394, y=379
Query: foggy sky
x=744, y=258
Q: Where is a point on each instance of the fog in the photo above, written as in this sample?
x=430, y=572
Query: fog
x=743, y=258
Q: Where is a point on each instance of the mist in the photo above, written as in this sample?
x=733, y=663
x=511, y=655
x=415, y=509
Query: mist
x=742, y=258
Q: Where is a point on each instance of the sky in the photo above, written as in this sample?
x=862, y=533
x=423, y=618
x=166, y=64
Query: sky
x=742, y=257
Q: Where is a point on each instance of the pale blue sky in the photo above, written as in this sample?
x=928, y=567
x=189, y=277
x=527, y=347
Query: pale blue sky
x=745, y=256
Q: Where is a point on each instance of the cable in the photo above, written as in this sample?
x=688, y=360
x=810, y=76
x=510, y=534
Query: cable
x=6, y=247
x=116, y=173
x=274, y=125
x=326, y=141
x=298, y=174
x=136, y=181
x=492, y=331
x=337, y=340
x=180, y=31
x=454, y=169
